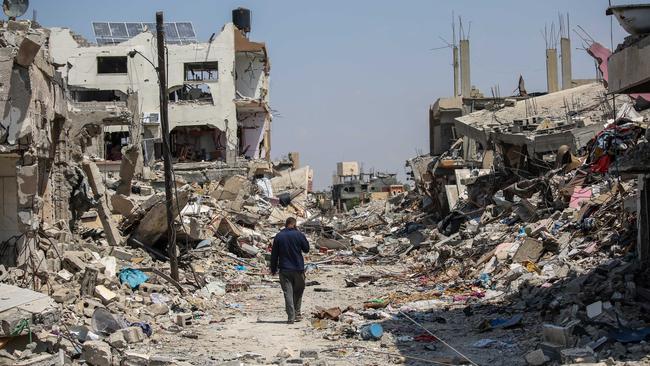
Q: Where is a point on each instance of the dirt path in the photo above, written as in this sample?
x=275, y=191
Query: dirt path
x=252, y=329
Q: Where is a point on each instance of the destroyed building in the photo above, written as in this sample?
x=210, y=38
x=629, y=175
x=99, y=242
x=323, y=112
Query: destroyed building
x=351, y=186
x=218, y=91
x=34, y=115
x=524, y=241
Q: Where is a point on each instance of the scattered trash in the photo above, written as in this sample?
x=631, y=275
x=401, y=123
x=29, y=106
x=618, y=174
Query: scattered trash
x=132, y=277
x=372, y=332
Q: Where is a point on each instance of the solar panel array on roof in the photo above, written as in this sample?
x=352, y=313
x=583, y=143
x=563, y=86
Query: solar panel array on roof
x=110, y=33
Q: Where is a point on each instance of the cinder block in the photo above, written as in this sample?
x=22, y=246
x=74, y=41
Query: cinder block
x=184, y=319
x=149, y=288
x=88, y=306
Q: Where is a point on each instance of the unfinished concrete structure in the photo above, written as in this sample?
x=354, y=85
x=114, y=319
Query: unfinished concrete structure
x=219, y=100
x=441, y=123
x=567, y=74
x=466, y=79
x=551, y=70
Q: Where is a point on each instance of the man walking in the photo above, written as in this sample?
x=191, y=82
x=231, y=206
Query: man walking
x=286, y=256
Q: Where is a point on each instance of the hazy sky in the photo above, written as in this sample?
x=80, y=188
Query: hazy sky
x=353, y=80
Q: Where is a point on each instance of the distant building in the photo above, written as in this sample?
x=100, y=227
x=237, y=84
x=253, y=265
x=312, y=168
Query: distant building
x=351, y=186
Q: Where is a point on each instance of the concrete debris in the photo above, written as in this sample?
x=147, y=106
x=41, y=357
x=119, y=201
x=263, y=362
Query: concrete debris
x=528, y=227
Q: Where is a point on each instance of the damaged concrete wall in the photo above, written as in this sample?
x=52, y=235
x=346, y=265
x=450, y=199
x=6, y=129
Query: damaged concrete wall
x=141, y=77
x=32, y=109
x=253, y=125
x=251, y=80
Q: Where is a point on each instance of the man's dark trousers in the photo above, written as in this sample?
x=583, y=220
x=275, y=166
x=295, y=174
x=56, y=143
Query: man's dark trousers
x=293, y=285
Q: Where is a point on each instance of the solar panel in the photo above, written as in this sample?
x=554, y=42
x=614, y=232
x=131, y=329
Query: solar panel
x=134, y=29
x=118, y=30
x=185, y=30
x=101, y=30
x=108, y=33
x=170, y=31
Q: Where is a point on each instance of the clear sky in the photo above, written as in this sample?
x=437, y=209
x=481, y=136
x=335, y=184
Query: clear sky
x=353, y=80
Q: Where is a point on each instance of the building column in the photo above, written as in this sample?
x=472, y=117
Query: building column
x=643, y=218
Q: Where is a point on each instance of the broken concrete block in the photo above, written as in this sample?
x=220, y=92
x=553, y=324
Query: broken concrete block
x=250, y=250
x=97, y=353
x=122, y=205
x=88, y=306
x=285, y=353
x=64, y=275
x=309, y=353
x=28, y=50
x=536, y=358
x=577, y=355
x=558, y=335
x=104, y=294
x=129, y=161
x=551, y=350
x=183, y=319
x=117, y=340
x=132, y=334
x=73, y=263
x=530, y=250
x=154, y=223
x=64, y=295
x=108, y=223
x=231, y=188
x=135, y=359
x=121, y=254
x=594, y=309
x=158, y=309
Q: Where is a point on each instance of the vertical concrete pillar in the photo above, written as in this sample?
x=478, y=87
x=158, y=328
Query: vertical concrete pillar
x=456, y=71
x=551, y=70
x=267, y=142
x=567, y=74
x=643, y=218
x=108, y=223
x=466, y=79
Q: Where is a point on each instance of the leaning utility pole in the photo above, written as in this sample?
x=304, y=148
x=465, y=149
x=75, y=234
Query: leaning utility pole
x=164, y=125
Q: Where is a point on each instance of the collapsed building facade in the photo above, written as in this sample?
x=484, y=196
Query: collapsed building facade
x=75, y=110
x=218, y=91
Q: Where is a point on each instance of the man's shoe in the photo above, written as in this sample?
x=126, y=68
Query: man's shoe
x=289, y=321
x=298, y=318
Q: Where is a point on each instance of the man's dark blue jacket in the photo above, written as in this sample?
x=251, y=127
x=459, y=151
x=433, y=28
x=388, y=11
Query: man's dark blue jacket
x=286, y=253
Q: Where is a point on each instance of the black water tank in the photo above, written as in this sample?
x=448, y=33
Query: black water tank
x=241, y=17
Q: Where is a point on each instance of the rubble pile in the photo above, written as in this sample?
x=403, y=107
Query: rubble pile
x=551, y=251
x=106, y=297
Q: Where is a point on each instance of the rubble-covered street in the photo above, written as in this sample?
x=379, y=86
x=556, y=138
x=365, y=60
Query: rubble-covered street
x=142, y=212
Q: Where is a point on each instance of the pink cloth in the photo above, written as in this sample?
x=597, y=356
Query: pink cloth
x=579, y=195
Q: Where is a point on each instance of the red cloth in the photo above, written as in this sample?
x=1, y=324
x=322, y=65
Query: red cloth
x=602, y=164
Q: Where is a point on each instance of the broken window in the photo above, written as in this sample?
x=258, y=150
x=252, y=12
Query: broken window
x=201, y=71
x=114, y=142
x=98, y=96
x=111, y=65
x=189, y=92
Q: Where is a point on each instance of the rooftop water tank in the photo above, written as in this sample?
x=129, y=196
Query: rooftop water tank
x=241, y=18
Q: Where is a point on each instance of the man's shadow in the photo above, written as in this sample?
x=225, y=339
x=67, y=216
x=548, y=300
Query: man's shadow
x=271, y=321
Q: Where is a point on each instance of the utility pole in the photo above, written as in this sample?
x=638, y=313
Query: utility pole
x=454, y=51
x=164, y=125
